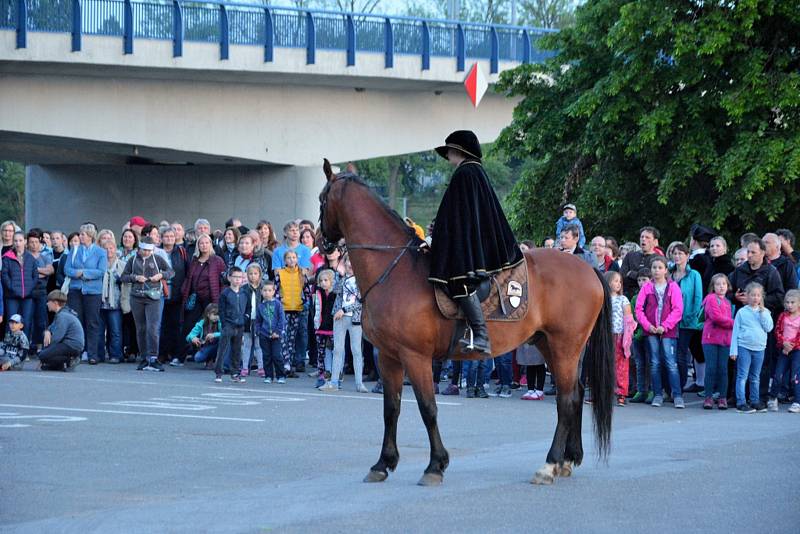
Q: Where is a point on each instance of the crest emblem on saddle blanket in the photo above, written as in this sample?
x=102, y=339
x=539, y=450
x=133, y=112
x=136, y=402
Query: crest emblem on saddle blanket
x=514, y=293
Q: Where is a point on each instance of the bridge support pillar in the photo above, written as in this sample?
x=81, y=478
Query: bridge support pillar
x=61, y=197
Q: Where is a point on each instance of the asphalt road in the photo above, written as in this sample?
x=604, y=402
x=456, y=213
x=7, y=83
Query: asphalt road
x=107, y=449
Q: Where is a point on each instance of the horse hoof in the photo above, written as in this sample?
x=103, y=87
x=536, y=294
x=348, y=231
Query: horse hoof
x=431, y=479
x=565, y=470
x=376, y=476
x=543, y=478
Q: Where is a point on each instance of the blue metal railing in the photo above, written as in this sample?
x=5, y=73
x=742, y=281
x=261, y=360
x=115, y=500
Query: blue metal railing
x=225, y=23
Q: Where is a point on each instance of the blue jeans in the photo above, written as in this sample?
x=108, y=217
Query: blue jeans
x=24, y=307
x=785, y=363
x=716, y=369
x=663, y=353
x=748, y=369
x=207, y=352
x=271, y=353
x=39, y=319
x=110, y=334
x=641, y=357
x=475, y=372
x=503, y=364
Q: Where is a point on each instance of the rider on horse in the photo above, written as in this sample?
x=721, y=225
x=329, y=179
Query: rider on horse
x=471, y=237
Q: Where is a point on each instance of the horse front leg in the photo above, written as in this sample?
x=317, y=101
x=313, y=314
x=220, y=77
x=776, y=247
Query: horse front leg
x=420, y=373
x=392, y=376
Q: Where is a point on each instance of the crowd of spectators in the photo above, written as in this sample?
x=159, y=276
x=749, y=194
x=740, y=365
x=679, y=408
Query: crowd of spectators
x=694, y=319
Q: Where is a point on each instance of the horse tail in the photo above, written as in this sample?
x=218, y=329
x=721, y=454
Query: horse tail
x=601, y=372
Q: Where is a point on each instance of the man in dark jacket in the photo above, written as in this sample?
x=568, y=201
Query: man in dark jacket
x=636, y=261
x=471, y=236
x=755, y=269
x=782, y=263
x=63, y=339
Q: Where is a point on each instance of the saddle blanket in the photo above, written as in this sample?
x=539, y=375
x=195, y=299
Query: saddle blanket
x=507, y=299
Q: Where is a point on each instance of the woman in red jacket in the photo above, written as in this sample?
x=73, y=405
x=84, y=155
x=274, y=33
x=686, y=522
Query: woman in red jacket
x=202, y=284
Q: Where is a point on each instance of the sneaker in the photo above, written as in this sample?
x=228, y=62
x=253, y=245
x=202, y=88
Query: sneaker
x=378, y=388
x=245, y=373
x=621, y=400
x=708, y=404
x=744, y=408
x=237, y=379
x=218, y=379
x=760, y=407
x=320, y=383
x=480, y=393
x=722, y=404
x=515, y=385
x=268, y=380
x=282, y=380
x=156, y=366
x=772, y=405
x=523, y=381
x=262, y=373
x=494, y=392
x=505, y=392
x=694, y=388
x=470, y=393
x=362, y=389
x=794, y=408
x=329, y=386
x=529, y=395
x=650, y=397
x=679, y=403
x=176, y=363
x=638, y=398
x=451, y=389
x=142, y=365
x=701, y=393
x=658, y=400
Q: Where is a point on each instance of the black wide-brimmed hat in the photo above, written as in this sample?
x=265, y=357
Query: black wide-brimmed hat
x=703, y=233
x=463, y=140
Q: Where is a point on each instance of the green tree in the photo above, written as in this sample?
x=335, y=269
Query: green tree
x=12, y=192
x=664, y=112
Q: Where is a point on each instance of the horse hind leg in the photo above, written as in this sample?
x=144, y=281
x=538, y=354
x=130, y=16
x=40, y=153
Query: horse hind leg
x=573, y=453
x=421, y=376
x=392, y=376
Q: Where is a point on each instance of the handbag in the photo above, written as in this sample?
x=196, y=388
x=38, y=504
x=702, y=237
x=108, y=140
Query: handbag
x=191, y=302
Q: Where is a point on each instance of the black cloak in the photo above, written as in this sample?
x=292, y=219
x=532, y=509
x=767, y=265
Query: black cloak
x=471, y=236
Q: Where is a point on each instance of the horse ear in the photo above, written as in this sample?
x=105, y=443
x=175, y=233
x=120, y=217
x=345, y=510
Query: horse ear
x=326, y=168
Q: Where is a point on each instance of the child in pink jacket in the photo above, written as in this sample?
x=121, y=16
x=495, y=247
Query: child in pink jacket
x=717, y=341
x=659, y=308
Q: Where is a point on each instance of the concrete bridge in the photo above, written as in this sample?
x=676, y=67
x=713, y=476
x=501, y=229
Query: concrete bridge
x=184, y=109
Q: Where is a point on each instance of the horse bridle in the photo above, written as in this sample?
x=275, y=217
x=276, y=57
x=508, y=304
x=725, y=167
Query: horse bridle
x=328, y=247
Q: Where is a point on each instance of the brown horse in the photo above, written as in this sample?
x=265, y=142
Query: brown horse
x=570, y=306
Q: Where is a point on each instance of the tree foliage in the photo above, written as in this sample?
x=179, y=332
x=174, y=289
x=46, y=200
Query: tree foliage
x=12, y=192
x=663, y=112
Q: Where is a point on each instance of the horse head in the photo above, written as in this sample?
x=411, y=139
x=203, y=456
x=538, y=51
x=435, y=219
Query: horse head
x=329, y=206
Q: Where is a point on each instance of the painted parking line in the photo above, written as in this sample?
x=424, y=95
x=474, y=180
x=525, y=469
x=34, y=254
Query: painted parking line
x=125, y=412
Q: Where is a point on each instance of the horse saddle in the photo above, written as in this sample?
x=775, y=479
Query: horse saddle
x=503, y=296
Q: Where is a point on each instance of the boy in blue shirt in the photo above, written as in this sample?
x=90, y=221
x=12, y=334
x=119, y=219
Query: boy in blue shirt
x=570, y=216
x=234, y=313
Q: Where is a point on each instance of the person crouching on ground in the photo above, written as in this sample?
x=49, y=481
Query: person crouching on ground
x=204, y=337
x=234, y=312
x=64, y=338
x=15, y=345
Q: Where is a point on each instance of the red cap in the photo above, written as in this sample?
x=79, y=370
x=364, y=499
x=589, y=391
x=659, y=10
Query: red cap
x=137, y=221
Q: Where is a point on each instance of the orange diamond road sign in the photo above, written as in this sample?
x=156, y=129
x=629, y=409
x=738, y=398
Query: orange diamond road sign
x=476, y=84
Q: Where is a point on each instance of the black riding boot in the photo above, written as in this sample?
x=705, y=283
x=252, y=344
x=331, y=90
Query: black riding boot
x=471, y=307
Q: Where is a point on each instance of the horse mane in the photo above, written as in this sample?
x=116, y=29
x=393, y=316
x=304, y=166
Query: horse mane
x=352, y=178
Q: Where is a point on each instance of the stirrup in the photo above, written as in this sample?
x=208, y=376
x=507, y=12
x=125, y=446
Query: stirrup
x=471, y=344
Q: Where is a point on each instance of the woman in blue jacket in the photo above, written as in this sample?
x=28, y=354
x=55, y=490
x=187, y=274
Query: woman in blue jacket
x=690, y=329
x=85, y=267
x=19, y=278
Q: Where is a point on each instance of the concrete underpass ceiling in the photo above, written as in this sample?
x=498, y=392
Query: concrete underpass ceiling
x=49, y=150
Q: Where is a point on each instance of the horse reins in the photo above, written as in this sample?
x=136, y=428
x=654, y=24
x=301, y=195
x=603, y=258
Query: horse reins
x=403, y=249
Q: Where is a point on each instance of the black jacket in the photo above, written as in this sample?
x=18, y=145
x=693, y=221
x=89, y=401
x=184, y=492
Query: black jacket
x=471, y=236
x=767, y=276
x=787, y=271
x=631, y=264
x=719, y=265
x=179, y=258
x=234, y=308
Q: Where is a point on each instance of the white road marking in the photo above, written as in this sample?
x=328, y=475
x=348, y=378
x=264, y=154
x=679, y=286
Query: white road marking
x=124, y=412
x=273, y=390
x=38, y=418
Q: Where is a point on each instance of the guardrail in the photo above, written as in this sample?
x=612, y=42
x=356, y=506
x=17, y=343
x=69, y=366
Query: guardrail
x=273, y=27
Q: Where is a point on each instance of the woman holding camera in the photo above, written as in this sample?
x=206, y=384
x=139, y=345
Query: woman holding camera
x=146, y=272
